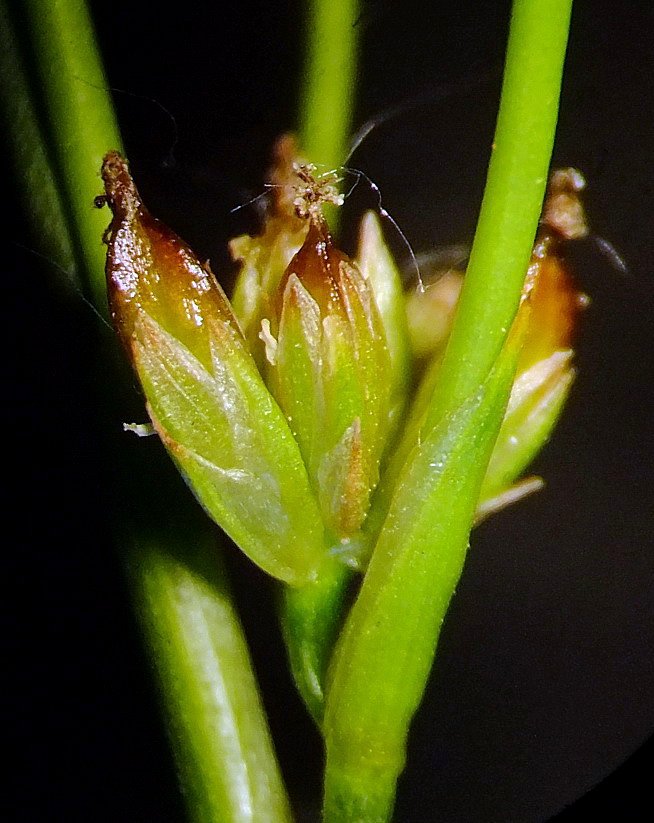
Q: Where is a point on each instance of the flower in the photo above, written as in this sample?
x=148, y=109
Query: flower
x=550, y=306
x=283, y=409
x=204, y=394
x=328, y=369
x=545, y=372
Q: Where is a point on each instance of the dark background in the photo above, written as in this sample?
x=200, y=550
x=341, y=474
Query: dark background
x=544, y=683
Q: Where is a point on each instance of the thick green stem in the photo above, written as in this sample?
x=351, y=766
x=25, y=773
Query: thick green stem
x=387, y=646
x=215, y=718
x=385, y=651
x=513, y=197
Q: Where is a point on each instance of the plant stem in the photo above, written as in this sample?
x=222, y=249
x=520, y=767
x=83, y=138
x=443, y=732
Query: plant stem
x=513, y=196
x=328, y=84
x=29, y=155
x=311, y=616
x=386, y=649
x=216, y=722
x=81, y=124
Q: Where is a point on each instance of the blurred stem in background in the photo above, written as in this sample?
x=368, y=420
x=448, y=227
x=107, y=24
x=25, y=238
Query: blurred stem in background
x=329, y=81
x=31, y=160
x=78, y=124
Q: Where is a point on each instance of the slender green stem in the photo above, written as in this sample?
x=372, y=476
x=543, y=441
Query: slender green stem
x=515, y=186
x=29, y=155
x=80, y=119
x=387, y=646
x=215, y=718
x=329, y=79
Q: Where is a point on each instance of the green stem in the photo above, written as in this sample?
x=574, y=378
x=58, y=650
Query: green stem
x=328, y=88
x=29, y=155
x=515, y=186
x=513, y=197
x=386, y=649
x=215, y=718
x=81, y=125
x=311, y=616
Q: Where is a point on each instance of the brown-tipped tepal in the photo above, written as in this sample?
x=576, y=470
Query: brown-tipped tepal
x=205, y=396
x=151, y=270
x=328, y=367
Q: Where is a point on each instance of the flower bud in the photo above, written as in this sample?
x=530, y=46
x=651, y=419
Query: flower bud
x=378, y=268
x=204, y=394
x=150, y=271
x=328, y=368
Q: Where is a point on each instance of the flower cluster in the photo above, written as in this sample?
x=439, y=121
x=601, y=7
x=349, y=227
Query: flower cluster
x=286, y=409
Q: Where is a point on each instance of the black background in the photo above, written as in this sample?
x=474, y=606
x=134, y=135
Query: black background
x=544, y=683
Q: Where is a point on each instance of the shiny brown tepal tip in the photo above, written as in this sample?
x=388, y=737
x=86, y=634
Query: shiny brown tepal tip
x=150, y=270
